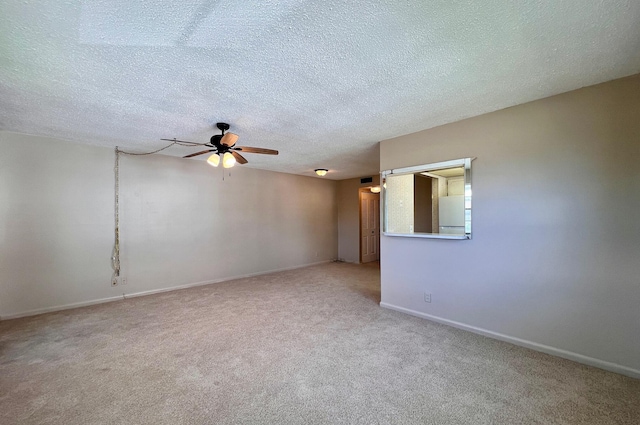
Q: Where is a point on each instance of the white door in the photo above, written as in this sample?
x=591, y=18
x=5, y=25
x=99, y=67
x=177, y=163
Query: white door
x=369, y=226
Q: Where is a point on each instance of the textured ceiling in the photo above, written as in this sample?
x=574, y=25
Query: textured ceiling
x=321, y=81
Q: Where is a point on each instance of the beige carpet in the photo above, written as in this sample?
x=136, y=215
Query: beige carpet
x=308, y=346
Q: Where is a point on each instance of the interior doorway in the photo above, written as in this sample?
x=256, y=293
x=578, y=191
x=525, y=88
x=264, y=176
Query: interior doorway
x=369, y=226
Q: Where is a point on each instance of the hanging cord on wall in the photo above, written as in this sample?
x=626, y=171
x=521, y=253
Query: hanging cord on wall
x=174, y=142
x=115, y=257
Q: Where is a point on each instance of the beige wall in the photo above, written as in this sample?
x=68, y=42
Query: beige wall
x=180, y=223
x=553, y=262
x=349, y=217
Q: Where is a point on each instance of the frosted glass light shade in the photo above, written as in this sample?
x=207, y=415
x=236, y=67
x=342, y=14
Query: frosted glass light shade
x=214, y=160
x=228, y=160
x=321, y=172
x=375, y=189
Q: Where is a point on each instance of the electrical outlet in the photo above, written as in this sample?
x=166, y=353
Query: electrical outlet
x=427, y=297
x=123, y=281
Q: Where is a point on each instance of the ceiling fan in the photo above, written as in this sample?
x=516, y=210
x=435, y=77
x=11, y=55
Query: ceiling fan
x=224, y=146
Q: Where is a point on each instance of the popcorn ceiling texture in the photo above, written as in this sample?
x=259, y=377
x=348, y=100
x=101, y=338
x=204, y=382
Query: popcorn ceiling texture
x=322, y=81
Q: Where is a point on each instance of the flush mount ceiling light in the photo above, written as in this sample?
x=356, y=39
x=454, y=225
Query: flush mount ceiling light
x=321, y=171
x=375, y=189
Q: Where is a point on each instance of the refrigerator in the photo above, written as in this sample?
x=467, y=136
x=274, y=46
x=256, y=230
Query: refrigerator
x=451, y=214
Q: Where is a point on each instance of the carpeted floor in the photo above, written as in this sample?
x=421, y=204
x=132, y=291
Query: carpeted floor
x=308, y=346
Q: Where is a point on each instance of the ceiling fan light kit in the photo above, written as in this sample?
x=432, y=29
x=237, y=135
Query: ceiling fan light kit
x=228, y=160
x=214, y=160
x=321, y=171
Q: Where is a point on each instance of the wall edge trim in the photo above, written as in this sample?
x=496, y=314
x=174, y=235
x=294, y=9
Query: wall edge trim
x=53, y=309
x=225, y=279
x=124, y=296
x=558, y=352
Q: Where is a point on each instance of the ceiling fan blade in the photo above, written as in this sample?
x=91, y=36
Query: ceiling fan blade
x=229, y=139
x=241, y=159
x=199, y=153
x=249, y=149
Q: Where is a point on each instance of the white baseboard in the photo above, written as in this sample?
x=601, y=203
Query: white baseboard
x=225, y=279
x=61, y=307
x=602, y=364
x=150, y=292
